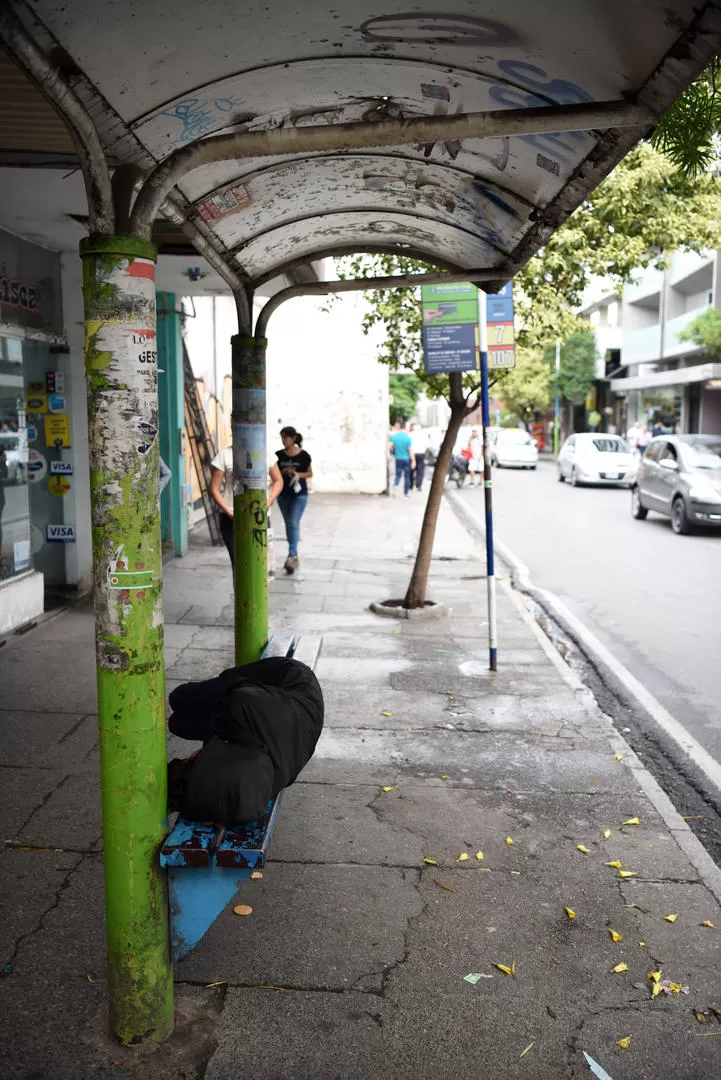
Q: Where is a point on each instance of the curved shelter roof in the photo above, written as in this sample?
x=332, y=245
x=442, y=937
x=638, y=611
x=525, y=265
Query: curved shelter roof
x=158, y=79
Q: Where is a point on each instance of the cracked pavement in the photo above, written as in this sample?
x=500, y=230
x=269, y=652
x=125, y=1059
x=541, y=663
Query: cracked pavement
x=353, y=962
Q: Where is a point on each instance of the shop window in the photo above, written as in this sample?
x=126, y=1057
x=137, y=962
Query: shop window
x=14, y=497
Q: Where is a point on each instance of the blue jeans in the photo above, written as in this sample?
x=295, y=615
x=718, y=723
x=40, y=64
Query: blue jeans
x=403, y=468
x=292, y=507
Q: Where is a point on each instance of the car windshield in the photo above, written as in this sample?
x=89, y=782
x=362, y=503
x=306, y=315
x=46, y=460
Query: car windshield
x=608, y=445
x=520, y=437
x=703, y=455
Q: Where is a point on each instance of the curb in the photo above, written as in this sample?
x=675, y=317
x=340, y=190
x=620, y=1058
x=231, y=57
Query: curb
x=515, y=588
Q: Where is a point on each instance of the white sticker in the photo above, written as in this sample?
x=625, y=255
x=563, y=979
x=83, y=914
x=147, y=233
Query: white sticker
x=37, y=466
x=61, y=468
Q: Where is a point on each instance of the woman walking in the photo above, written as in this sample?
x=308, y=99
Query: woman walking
x=295, y=468
x=221, y=492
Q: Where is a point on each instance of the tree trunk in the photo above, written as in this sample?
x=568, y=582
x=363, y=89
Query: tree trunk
x=416, y=595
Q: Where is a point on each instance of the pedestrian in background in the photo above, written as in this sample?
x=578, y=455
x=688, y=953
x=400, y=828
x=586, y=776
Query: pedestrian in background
x=295, y=467
x=419, y=445
x=475, y=464
x=643, y=440
x=400, y=447
x=632, y=435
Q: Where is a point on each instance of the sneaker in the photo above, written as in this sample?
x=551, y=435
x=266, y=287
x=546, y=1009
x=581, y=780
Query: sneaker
x=291, y=564
x=407, y=495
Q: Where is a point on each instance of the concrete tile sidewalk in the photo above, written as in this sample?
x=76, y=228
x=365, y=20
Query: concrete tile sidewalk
x=353, y=962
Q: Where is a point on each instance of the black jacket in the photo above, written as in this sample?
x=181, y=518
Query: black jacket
x=265, y=720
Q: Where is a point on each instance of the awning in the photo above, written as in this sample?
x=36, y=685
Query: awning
x=677, y=377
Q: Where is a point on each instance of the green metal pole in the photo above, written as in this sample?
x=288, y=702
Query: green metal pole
x=121, y=369
x=250, y=499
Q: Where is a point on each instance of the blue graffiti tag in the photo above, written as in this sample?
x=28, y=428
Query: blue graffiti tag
x=198, y=117
x=556, y=91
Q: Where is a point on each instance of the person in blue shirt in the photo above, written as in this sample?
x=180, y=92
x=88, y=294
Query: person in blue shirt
x=400, y=447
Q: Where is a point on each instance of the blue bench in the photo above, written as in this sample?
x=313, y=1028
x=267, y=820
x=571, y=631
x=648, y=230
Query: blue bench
x=206, y=865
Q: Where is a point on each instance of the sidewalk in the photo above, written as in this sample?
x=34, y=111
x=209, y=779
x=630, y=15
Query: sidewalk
x=353, y=962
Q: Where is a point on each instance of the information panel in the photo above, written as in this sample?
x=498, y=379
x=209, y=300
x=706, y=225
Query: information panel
x=450, y=327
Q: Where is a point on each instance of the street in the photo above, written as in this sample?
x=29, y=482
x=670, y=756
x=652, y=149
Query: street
x=650, y=596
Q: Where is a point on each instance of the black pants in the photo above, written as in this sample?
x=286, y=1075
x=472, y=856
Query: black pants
x=420, y=470
x=225, y=524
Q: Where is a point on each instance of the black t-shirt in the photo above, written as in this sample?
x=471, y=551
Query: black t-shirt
x=301, y=463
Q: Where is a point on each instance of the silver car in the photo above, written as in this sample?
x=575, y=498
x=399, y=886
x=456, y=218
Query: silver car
x=680, y=476
x=594, y=458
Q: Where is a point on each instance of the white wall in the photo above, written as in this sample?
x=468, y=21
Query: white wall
x=322, y=377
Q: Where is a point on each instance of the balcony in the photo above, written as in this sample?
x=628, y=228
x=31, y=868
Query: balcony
x=647, y=286
x=671, y=344
x=641, y=345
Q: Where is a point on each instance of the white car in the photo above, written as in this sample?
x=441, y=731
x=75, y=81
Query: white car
x=513, y=448
x=594, y=458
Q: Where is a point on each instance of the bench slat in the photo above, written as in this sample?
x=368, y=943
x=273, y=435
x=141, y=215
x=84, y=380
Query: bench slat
x=307, y=649
x=278, y=645
x=189, y=844
x=246, y=845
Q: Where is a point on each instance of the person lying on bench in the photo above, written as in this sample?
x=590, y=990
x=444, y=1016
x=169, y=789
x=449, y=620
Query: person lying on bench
x=259, y=724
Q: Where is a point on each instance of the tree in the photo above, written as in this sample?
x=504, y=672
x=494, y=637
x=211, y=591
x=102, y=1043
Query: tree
x=399, y=312
x=526, y=387
x=688, y=132
x=642, y=212
x=705, y=330
x=578, y=363
x=405, y=391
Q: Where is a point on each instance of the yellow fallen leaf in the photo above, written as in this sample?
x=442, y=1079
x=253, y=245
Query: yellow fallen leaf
x=616, y=864
x=627, y=873
x=615, y=936
x=386, y=714
x=670, y=918
x=513, y=969
x=618, y=757
x=444, y=778
x=509, y=841
x=256, y=875
x=430, y=862
x=90, y=978
x=655, y=976
x=527, y=1049
x=619, y=968
x=390, y=787
x=701, y=1017
x=625, y=1042
x=243, y=909
x=504, y=969
x=657, y=988
x=463, y=857
x=606, y=834
x=632, y=821
x=570, y=912
x=582, y=849
x=707, y=923
x=642, y=944
x=442, y=886
x=479, y=855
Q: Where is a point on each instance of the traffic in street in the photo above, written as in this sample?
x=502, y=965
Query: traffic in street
x=650, y=596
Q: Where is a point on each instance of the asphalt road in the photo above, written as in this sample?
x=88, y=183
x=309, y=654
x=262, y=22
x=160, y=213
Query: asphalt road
x=653, y=598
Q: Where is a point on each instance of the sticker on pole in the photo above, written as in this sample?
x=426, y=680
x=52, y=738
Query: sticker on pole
x=58, y=485
x=37, y=466
x=450, y=327
x=121, y=575
x=499, y=323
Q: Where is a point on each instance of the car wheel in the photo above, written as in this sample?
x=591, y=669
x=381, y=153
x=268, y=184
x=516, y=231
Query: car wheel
x=532, y=467
x=679, y=521
x=638, y=510
x=574, y=478
x=559, y=475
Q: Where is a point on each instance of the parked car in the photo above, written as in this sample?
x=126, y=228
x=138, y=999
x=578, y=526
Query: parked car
x=513, y=448
x=680, y=476
x=593, y=458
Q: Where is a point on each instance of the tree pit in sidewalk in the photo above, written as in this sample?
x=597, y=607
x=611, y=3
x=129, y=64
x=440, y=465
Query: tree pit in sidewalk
x=393, y=609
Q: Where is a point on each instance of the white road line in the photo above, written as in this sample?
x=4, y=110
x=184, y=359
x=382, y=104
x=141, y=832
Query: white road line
x=708, y=765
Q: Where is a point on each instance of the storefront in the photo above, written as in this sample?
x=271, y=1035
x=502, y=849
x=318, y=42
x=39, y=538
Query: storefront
x=36, y=464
